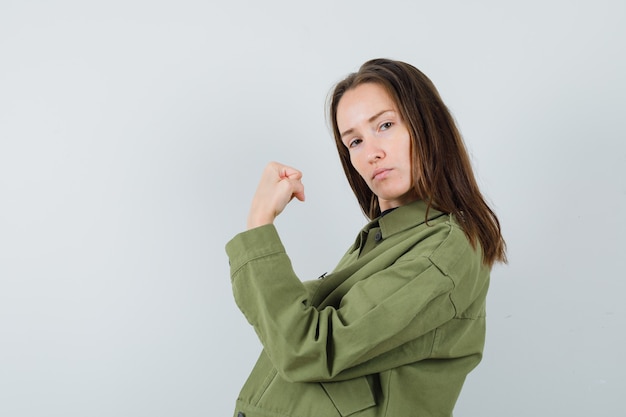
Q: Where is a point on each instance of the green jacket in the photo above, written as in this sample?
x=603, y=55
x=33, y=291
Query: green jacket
x=392, y=331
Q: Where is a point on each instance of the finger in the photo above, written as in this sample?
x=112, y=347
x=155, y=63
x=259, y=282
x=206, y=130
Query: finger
x=290, y=173
x=290, y=189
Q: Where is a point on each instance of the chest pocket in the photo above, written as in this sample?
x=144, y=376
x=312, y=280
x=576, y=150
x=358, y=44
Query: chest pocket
x=350, y=396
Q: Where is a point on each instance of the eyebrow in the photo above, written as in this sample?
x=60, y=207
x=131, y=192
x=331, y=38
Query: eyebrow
x=370, y=120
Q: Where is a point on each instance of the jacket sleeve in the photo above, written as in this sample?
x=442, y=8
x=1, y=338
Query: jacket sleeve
x=385, y=320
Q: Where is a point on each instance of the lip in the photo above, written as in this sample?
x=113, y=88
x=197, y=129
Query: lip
x=380, y=173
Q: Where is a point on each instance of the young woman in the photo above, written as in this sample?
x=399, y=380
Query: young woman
x=397, y=326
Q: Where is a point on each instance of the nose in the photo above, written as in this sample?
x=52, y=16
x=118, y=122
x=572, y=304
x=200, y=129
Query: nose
x=374, y=152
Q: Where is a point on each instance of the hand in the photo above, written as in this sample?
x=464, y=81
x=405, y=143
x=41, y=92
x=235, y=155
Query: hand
x=278, y=186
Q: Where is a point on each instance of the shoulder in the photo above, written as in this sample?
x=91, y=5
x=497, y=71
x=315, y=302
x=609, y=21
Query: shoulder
x=463, y=265
x=443, y=242
x=453, y=249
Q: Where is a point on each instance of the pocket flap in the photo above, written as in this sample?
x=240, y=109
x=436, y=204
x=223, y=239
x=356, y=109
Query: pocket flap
x=350, y=396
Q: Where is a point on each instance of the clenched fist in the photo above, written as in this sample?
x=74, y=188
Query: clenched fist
x=278, y=186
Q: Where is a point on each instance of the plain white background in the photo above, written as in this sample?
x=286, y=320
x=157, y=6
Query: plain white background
x=132, y=135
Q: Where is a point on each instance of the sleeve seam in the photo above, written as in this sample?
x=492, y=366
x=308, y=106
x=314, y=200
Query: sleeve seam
x=265, y=255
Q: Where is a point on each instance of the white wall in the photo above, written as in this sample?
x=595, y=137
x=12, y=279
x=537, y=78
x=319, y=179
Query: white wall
x=132, y=134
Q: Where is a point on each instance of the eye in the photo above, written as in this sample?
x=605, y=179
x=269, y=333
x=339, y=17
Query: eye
x=354, y=142
x=386, y=125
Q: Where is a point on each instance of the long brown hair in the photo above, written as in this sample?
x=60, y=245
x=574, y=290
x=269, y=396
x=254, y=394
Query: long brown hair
x=441, y=168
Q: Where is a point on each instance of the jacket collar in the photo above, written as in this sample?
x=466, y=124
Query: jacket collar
x=399, y=220
x=406, y=217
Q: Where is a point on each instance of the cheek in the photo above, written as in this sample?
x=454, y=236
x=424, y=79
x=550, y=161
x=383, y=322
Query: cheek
x=407, y=152
x=357, y=163
x=354, y=160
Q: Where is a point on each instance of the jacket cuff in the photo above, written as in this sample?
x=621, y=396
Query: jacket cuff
x=252, y=244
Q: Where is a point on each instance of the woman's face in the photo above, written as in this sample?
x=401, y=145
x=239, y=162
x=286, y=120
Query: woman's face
x=378, y=142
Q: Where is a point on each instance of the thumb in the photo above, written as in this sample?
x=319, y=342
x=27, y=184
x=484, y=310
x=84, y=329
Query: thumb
x=298, y=189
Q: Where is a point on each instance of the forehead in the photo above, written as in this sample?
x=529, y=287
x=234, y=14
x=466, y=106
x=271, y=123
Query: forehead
x=361, y=102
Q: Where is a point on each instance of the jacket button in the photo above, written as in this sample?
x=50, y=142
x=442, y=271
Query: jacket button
x=379, y=236
x=240, y=414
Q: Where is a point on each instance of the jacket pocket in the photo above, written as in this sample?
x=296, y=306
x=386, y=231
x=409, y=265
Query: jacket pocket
x=350, y=396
